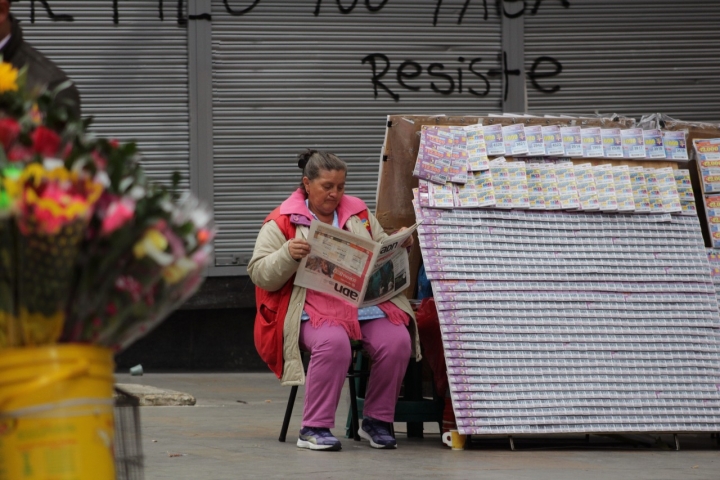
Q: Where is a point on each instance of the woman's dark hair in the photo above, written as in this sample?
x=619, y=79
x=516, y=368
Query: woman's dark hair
x=311, y=162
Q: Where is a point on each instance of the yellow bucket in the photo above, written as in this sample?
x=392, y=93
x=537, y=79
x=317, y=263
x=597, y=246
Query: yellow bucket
x=56, y=413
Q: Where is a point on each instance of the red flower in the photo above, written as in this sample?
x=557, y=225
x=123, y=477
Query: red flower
x=45, y=142
x=9, y=131
x=19, y=153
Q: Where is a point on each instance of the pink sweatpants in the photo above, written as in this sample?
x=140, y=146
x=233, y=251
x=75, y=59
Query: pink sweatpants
x=387, y=344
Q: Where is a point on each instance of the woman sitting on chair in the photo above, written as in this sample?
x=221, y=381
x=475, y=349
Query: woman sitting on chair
x=291, y=318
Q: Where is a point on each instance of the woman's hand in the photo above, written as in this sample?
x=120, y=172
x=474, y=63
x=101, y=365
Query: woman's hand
x=298, y=248
x=409, y=241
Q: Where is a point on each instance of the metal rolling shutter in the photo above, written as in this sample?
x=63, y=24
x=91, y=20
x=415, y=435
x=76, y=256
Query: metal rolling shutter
x=285, y=80
x=132, y=77
x=630, y=57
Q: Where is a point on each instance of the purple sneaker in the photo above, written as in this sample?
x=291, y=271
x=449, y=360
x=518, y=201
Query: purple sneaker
x=318, y=439
x=378, y=433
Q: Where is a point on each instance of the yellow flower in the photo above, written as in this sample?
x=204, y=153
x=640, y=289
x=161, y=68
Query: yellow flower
x=8, y=78
x=153, y=245
x=178, y=270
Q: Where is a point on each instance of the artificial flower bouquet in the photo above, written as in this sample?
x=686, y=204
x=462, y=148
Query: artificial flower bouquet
x=91, y=251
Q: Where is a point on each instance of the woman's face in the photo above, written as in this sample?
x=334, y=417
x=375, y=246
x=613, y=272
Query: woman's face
x=324, y=193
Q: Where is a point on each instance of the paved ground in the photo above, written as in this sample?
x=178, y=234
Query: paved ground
x=232, y=433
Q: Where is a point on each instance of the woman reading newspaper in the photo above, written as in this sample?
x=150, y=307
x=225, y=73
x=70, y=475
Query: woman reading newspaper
x=290, y=318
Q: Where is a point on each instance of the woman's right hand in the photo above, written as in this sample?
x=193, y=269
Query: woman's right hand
x=298, y=248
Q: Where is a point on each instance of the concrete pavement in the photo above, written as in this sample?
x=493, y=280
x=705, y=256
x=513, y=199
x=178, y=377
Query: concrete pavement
x=232, y=433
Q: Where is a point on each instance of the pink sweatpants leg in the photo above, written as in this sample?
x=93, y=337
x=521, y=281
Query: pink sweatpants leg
x=330, y=355
x=387, y=344
x=389, y=348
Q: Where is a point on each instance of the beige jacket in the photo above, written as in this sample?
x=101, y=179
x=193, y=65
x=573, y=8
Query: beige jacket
x=271, y=266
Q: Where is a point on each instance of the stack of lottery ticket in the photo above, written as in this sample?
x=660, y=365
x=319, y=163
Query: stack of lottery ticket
x=607, y=324
x=550, y=187
x=612, y=143
x=710, y=175
x=567, y=186
x=476, y=150
x=653, y=141
x=632, y=143
x=641, y=195
x=605, y=187
x=552, y=139
x=592, y=145
x=714, y=259
x=662, y=190
x=466, y=194
x=712, y=213
x=572, y=141
x=675, y=144
x=434, y=155
x=423, y=197
x=494, y=140
x=441, y=196
x=587, y=192
x=623, y=188
x=501, y=182
x=536, y=192
x=707, y=149
x=459, y=155
x=534, y=136
x=685, y=192
x=477, y=192
x=514, y=139
x=484, y=188
x=518, y=184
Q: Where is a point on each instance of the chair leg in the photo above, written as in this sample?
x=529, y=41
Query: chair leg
x=354, y=420
x=288, y=413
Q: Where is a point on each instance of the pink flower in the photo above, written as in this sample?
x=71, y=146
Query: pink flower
x=99, y=160
x=9, y=131
x=45, y=142
x=118, y=213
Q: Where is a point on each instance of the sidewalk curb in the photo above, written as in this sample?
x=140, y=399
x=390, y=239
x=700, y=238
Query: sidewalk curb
x=149, y=396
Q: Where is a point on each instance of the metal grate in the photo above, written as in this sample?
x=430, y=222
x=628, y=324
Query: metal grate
x=285, y=79
x=129, y=458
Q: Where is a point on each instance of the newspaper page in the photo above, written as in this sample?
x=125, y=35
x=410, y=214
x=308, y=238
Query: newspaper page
x=391, y=274
x=342, y=263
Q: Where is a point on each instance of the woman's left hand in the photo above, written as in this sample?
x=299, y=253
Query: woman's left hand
x=409, y=241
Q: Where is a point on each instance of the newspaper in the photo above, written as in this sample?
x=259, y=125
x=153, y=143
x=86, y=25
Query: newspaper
x=354, y=268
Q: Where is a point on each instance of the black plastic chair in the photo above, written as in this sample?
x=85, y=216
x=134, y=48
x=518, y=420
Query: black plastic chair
x=352, y=375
